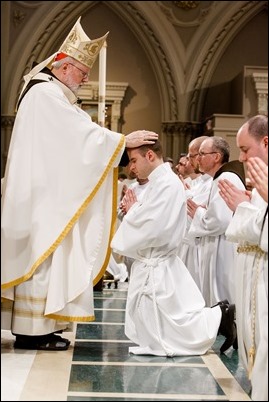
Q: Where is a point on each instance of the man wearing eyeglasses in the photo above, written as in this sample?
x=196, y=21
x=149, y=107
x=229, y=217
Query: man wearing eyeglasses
x=210, y=221
x=58, y=205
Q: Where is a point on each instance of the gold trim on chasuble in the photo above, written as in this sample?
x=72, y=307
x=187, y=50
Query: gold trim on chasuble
x=73, y=220
x=112, y=228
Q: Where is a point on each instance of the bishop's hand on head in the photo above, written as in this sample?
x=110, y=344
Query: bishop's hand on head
x=140, y=137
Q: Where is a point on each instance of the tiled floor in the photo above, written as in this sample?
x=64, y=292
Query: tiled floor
x=97, y=367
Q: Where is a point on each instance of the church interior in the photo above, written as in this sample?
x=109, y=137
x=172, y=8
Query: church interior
x=182, y=69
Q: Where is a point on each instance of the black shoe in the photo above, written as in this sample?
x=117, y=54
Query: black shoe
x=43, y=342
x=220, y=303
x=235, y=344
x=26, y=342
x=227, y=326
x=230, y=341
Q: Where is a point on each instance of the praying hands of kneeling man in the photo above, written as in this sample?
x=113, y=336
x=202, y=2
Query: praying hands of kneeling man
x=128, y=200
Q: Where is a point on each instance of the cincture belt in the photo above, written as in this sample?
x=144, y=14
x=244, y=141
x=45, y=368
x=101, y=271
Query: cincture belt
x=151, y=263
x=253, y=248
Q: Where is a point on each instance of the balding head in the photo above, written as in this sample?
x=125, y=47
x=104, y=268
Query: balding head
x=194, y=146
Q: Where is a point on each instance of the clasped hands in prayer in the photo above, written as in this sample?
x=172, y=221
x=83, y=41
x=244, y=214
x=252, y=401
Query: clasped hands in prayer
x=257, y=171
x=128, y=200
x=192, y=207
x=232, y=195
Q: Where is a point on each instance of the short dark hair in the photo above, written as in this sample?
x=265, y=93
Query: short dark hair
x=156, y=147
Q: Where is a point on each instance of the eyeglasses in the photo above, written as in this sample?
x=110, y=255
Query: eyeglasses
x=206, y=153
x=192, y=156
x=84, y=75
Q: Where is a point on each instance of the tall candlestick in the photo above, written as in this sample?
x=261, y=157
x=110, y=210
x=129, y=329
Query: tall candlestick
x=102, y=86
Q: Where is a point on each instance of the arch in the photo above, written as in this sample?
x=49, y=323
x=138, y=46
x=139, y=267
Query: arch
x=229, y=25
x=54, y=20
x=51, y=20
x=182, y=74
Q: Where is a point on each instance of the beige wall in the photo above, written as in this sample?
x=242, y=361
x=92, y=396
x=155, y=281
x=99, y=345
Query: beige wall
x=182, y=64
x=127, y=61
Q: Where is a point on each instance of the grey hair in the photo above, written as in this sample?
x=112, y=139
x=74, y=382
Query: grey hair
x=220, y=145
x=59, y=63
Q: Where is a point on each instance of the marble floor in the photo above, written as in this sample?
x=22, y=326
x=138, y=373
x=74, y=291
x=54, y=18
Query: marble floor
x=98, y=367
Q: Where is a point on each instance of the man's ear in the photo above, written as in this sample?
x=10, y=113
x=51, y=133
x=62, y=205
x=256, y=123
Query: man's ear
x=151, y=155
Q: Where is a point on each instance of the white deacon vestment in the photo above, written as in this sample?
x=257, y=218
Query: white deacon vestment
x=139, y=190
x=165, y=311
x=190, y=249
x=249, y=226
x=58, y=210
x=217, y=254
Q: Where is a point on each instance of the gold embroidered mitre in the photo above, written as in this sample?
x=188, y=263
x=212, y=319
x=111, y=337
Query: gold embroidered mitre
x=79, y=46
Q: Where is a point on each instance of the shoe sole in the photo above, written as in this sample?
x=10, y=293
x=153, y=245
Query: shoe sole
x=48, y=347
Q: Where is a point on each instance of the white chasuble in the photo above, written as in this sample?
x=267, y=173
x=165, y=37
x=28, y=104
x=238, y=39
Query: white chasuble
x=58, y=209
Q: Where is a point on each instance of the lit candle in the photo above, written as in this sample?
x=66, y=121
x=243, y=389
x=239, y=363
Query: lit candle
x=102, y=86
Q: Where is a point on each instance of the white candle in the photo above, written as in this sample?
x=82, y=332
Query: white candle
x=102, y=86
